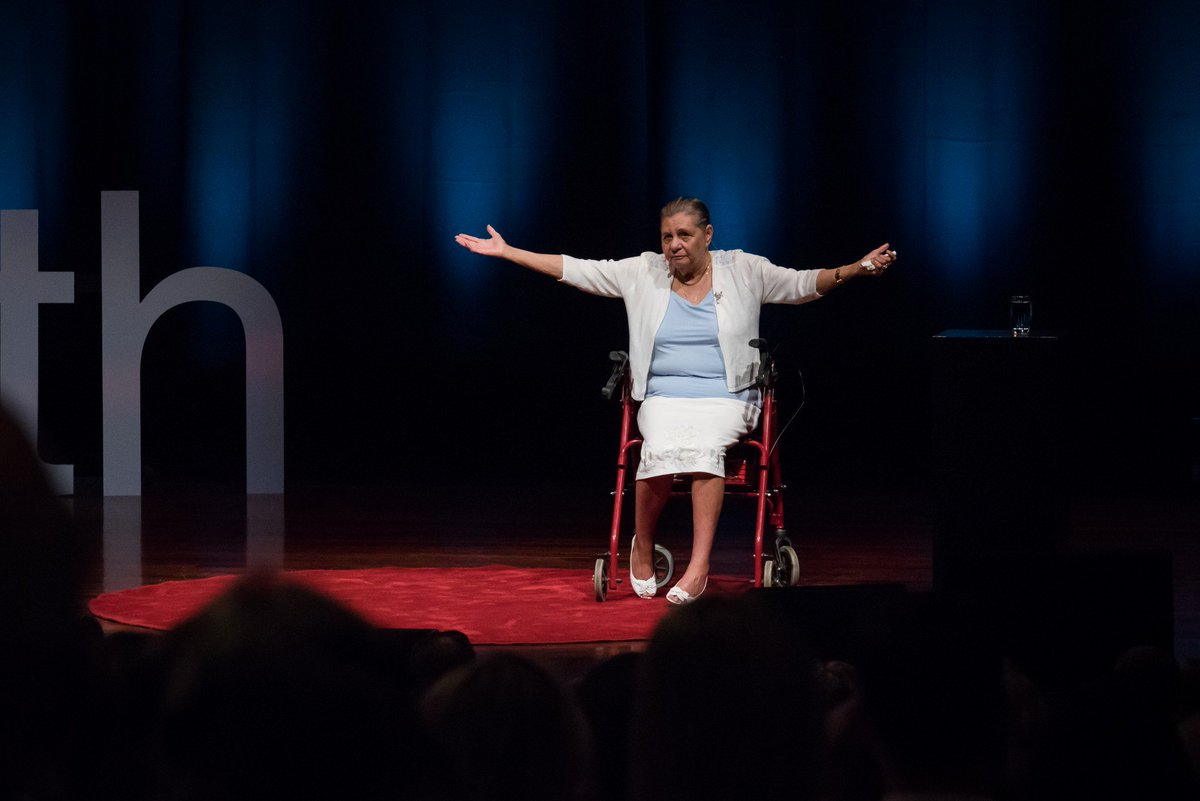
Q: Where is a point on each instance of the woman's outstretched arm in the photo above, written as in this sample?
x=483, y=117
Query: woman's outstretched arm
x=874, y=264
x=547, y=263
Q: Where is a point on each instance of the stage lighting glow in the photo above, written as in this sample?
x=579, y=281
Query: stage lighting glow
x=733, y=159
x=1168, y=150
x=18, y=143
x=32, y=100
x=471, y=167
x=982, y=102
x=283, y=76
x=957, y=205
x=247, y=72
x=492, y=128
x=221, y=163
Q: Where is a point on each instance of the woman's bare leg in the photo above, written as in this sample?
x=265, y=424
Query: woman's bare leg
x=650, y=495
x=708, y=494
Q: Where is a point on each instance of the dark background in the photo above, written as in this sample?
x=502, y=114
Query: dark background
x=332, y=150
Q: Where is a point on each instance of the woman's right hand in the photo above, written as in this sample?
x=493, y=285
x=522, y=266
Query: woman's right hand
x=493, y=246
x=550, y=264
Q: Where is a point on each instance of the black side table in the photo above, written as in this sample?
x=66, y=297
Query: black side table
x=997, y=421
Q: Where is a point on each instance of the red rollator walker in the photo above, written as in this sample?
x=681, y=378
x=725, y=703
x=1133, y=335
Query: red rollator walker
x=751, y=469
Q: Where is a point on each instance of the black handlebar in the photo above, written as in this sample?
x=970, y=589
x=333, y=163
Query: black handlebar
x=620, y=360
x=766, y=365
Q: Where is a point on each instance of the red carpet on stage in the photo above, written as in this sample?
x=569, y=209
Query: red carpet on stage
x=492, y=605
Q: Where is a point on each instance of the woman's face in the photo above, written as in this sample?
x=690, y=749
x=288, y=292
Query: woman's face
x=684, y=243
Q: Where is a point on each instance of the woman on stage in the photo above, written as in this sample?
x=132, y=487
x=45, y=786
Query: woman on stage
x=692, y=313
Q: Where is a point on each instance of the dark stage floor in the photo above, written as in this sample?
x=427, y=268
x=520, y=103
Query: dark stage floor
x=843, y=537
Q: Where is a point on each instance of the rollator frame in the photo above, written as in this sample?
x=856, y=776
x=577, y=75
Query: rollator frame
x=781, y=568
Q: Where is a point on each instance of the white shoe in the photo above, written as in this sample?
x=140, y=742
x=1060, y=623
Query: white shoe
x=645, y=588
x=680, y=597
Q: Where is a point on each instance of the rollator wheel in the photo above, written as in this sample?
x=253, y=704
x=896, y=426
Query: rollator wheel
x=768, y=573
x=600, y=579
x=789, y=567
x=664, y=566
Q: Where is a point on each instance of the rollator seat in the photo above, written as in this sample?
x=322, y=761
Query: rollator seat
x=741, y=470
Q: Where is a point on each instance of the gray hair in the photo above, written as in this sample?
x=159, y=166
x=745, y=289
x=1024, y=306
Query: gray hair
x=686, y=205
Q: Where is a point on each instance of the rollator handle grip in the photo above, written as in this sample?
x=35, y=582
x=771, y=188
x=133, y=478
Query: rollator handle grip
x=766, y=367
x=620, y=360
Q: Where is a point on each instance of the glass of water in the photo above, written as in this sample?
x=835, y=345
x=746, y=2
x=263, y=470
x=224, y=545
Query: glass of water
x=1020, y=311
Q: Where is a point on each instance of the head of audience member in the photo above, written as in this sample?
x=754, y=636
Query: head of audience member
x=275, y=691
x=45, y=652
x=436, y=654
x=606, y=697
x=849, y=771
x=725, y=686
x=507, y=729
x=39, y=571
x=1146, y=680
x=935, y=698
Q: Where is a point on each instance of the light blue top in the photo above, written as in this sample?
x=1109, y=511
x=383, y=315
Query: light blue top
x=687, y=360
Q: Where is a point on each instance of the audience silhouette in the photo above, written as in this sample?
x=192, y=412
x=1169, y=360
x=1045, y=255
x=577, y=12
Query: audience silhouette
x=728, y=706
x=274, y=691
x=507, y=730
x=46, y=652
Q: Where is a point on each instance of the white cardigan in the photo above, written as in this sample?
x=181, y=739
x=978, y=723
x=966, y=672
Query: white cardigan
x=741, y=283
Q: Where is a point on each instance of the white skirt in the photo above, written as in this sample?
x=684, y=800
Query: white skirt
x=690, y=435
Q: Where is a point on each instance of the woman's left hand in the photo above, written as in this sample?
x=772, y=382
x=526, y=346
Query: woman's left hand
x=876, y=262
